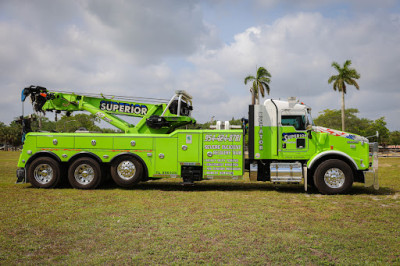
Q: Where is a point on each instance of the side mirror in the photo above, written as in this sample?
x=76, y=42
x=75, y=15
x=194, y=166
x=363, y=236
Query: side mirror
x=373, y=136
x=309, y=130
x=309, y=134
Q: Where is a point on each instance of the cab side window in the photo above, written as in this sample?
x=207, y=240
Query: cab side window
x=297, y=121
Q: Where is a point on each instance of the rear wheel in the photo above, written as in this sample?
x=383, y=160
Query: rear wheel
x=333, y=177
x=126, y=171
x=44, y=172
x=84, y=173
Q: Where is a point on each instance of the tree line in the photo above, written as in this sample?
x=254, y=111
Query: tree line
x=12, y=134
x=360, y=126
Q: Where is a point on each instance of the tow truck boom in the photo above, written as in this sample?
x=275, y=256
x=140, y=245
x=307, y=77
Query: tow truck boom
x=158, y=118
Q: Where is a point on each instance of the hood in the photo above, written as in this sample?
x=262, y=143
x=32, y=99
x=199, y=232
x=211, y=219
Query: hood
x=338, y=133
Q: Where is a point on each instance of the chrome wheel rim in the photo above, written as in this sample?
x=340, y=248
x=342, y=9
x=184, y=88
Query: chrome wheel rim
x=334, y=178
x=126, y=170
x=84, y=174
x=43, y=173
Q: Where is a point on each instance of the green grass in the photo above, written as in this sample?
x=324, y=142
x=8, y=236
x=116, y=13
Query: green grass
x=214, y=222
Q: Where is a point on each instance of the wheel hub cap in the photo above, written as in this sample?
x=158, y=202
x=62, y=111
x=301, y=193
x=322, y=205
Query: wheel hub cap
x=84, y=174
x=334, y=178
x=43, y=173
x=126, y=170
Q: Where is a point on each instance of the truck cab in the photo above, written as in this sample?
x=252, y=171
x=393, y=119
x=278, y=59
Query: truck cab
x=286, y=146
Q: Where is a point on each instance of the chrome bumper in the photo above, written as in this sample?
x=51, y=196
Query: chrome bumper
x=371, y=176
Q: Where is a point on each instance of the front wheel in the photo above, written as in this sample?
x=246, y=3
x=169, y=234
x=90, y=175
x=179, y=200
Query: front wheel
x=84, y=173
x=333, y=177
x=126, y=171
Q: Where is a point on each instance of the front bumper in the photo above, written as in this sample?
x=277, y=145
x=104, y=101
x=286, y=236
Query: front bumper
x=20, y=175
x=371, y=176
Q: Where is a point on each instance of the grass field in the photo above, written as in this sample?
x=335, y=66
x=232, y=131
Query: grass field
x=236, y=222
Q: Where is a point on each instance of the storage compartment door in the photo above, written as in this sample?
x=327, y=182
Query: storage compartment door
x=166, y=157
x=189, y=148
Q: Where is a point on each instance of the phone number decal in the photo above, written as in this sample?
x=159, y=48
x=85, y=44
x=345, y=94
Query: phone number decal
x=221, y=138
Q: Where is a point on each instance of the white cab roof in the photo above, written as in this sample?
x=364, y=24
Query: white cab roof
x=285, y=105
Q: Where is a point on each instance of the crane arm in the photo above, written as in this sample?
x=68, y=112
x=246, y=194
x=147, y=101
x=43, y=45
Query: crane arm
x=157, y=118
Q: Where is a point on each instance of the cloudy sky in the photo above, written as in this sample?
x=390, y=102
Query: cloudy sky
x=150, y=48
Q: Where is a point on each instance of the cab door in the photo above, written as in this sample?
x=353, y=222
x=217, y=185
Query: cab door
x=293, y=137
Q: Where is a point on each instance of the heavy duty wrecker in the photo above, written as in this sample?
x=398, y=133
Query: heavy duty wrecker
x=283, y=146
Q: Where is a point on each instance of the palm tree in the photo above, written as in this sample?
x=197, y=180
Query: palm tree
x=345, y=76
x=260, y=84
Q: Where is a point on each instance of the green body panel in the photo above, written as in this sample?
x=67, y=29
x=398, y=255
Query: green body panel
x=138, y=143
x=287, y=143
x=190, y=148
x=294, y=144
x=265, y=145
x=163, y=154
x=223, y=154
x=64, y=142
x=97, y=142
x=166, y=157
x=326, y=143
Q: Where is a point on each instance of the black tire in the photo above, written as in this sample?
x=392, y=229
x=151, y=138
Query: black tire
x=84, y=173
x=44, y=172
x=333, y=177
x=126, y=171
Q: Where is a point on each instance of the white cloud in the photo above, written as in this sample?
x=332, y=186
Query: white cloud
x=318, y=4
x=125, y=47
x=92, y=46
x=149, y=30
x=298, y=50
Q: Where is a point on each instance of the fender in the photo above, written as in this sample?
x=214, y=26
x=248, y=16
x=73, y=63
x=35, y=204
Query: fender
x=83, y=153
x=43, y=153
x=311, y=162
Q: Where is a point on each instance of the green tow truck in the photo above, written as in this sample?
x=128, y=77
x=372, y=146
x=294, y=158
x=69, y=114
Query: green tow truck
x=283, y=145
